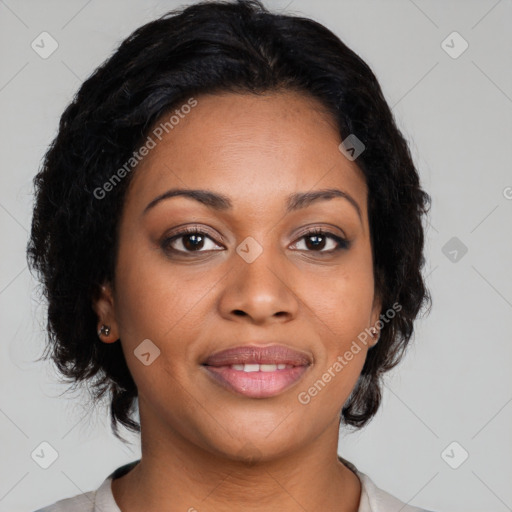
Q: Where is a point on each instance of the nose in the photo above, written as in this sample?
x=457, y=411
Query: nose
x=259, y=292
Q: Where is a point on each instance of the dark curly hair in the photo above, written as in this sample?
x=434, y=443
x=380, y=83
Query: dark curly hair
x=212, y=47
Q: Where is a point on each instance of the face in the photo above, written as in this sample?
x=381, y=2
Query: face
x=253, y=269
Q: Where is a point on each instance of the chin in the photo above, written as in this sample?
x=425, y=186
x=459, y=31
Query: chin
x=255, y=446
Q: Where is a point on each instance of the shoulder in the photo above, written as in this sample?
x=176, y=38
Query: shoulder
x=80, y=503
x=374, y=499
x=99, y=500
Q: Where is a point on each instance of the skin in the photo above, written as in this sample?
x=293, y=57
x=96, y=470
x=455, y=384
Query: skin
x=205, y=447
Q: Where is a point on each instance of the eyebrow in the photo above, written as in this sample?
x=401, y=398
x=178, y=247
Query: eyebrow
x=221, y=202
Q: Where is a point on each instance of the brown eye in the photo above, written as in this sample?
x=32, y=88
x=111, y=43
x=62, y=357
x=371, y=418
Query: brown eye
x=189, y=240
x=317, y=240
x=193, y=241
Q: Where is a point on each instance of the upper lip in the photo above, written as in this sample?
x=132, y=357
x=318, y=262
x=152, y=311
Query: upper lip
x=246, y=354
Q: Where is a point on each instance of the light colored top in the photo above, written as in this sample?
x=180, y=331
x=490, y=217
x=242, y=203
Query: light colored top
x=372, y=498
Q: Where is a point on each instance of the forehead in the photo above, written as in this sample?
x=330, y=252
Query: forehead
x=254, y=148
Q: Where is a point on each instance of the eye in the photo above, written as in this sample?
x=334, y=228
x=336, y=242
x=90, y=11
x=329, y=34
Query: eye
x=316, y=240
x=192, y=239
x=189, y=240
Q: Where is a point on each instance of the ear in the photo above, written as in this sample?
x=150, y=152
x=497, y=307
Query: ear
x=103, y=305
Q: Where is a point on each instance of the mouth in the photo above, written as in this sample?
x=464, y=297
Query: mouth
x=255, y=371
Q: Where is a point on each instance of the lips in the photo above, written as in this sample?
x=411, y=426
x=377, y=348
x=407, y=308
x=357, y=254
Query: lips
x=255, y=371
x=250, y=354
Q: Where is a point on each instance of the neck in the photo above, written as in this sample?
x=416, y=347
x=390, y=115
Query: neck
x=175, y=474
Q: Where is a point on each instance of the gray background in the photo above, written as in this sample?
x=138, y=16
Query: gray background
x=454, y=384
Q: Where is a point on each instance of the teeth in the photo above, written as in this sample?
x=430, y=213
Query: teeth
x=251, y=367
x=260, y=367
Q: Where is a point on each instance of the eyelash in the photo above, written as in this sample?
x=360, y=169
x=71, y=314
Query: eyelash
x=166, y=243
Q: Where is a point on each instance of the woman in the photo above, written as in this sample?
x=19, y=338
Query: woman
x=228, y=227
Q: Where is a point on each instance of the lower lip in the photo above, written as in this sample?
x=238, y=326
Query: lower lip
x=256, y=384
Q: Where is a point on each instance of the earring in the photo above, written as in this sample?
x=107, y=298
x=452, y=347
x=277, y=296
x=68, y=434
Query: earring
x=104, y=329
x=374, y=332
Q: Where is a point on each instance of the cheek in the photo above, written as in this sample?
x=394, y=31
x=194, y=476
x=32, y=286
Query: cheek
x=341, y=301
x=341, y=305
x=157, y=301
x=153, y=297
